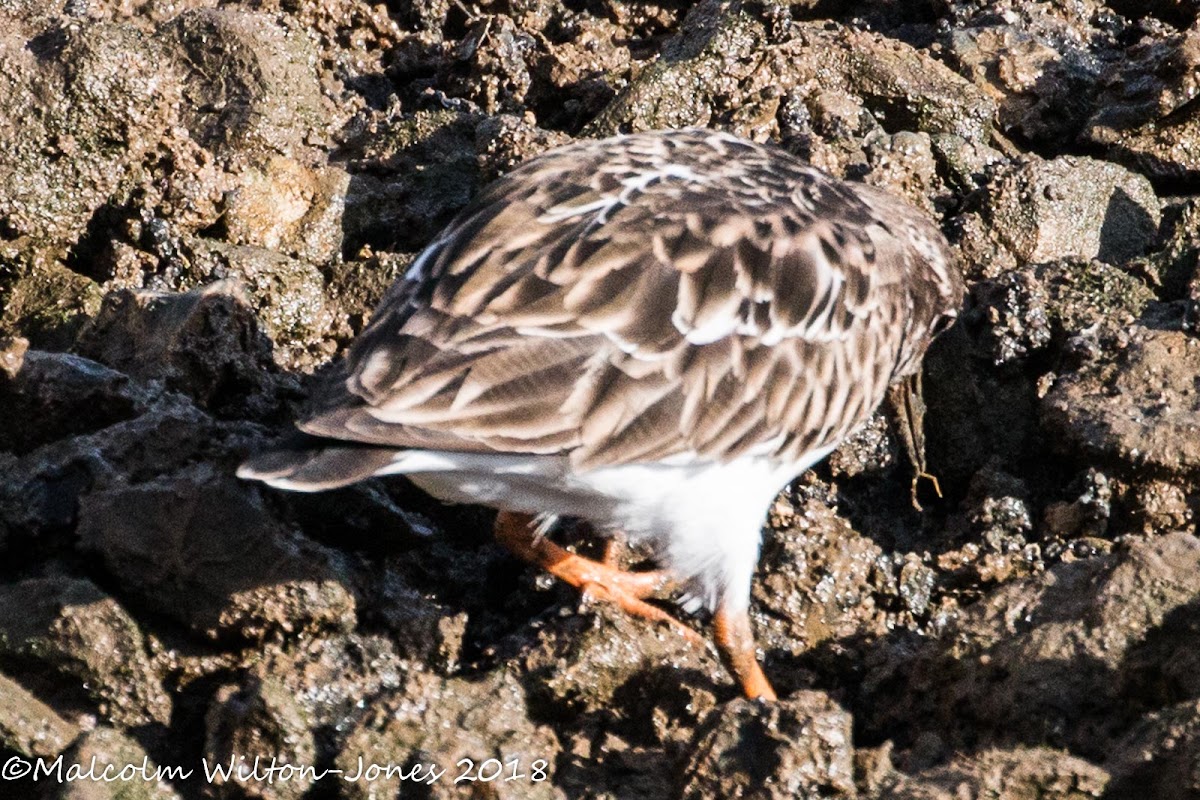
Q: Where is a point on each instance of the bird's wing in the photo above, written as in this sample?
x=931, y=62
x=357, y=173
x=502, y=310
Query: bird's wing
x=627, y=309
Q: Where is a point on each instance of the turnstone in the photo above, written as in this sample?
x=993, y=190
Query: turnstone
x=653, y=333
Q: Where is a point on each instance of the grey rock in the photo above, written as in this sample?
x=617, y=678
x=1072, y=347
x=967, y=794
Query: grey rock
x=1071, y=206
x=201, y=547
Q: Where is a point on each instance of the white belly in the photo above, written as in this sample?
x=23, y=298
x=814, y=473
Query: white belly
x=702, y=519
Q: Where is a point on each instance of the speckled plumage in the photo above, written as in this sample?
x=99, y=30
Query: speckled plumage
x=653, y=332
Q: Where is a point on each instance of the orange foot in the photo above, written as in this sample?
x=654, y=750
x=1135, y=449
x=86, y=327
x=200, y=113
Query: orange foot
x=735, y=640
x=597, y=580
x=629, y=590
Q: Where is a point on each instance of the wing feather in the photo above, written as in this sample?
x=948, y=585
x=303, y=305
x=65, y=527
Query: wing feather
x=625, y=303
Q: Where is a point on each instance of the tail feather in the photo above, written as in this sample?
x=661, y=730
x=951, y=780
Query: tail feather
x=312, y=464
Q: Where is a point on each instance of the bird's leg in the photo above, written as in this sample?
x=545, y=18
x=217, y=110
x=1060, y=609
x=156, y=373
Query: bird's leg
x=735, y=640
x=627, y=590
x=907, y=400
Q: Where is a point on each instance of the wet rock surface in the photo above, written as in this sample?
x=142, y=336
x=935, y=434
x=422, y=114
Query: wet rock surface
x=203, y=201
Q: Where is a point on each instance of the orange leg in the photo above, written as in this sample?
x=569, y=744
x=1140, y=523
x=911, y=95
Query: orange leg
x=600, y=581
x=735, y=640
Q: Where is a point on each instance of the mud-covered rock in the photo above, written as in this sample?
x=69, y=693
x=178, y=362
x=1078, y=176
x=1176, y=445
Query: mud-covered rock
x=203, y=549
x=446, y=729
x=412, y=174
x=259, y=720
x=79, y=114
x=205, y=343
x=30, y=727
x=1136, y=410
x=1071, y=206
x=800, y=746
x=70, y=626
x=133, y=774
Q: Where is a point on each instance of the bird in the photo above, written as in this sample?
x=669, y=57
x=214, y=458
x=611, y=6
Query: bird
x=652, y=333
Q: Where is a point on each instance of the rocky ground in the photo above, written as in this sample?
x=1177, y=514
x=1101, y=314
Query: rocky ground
x=201, y=202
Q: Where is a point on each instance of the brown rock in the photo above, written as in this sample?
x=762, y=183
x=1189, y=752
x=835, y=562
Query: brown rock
x=29, y=726
x=449, y=728
x=137, y=777
x=1022, y=773
x=260, y=720
x=1138, y=408
x=72, y=627
x=800, y=746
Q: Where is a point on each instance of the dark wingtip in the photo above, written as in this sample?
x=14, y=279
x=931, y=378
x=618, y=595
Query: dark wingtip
x=311, y=464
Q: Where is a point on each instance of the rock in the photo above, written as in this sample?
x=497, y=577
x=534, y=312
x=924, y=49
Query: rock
x=1044, y=91
x=200, y=547
x=815, y=585
x=722, y=58
x=1172, y=269
x=266, y=100
x=40, y=491
x=430, y=171
x=326, y=679
x=70, y=626
x=78, y=113
x=1071, y=206
x=1136, y=410
x=286, y=293
x=601, y=659
x=1072, y=305
x=30, y=727
x=799, y=746
x=1023, y=772
x=904, y=165
x=205, y=343
x=137, y=777
x=1157, y=757
x=448, y=728
x=1144, y=115
x=56, y=396
x=12, y=356
x=260, y=721
x=46, y=302
x=288, y=208
x=492, y=70
x=1042, y=659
